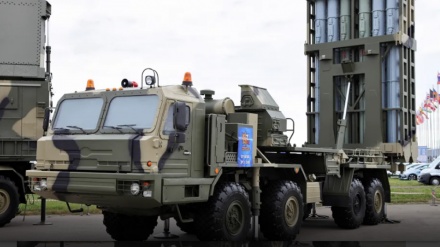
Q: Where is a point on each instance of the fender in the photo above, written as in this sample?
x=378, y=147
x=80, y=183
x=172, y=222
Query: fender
x=17, y=178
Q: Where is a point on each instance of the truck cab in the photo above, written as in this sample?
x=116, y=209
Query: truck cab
x=139, y=136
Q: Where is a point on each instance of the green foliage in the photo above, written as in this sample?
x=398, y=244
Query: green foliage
x=33, y=207
x=410, y=191
x=404, y=183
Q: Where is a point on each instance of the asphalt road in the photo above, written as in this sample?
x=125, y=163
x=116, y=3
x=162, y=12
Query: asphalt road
x=418, y=222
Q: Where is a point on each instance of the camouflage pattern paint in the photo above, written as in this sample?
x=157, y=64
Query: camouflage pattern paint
x=69, y=157
x=137, y=153
x=69, y=146
x=22, y=106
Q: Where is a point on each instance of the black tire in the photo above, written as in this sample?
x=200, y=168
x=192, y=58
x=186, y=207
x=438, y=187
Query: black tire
x=282, y=210
x=226, y=215
x=412, y=177
x=351, y=217
x=8, y=200
x=375, y=202
x=127, y=227
x=307, y=210
x=434, y=181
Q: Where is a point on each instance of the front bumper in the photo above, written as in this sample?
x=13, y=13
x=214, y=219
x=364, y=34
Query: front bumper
x=102, y=189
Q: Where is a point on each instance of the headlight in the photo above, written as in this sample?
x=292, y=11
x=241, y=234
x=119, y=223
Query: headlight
x=149, y=80
x=43, y=184
x=40, y=184
x=135, y=189
x=37, y=187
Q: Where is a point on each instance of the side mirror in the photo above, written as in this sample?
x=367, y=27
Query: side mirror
x=180, y=116
x=46, y=119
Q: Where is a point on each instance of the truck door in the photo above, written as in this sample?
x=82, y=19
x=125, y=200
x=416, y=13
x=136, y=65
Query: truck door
x=177, y=156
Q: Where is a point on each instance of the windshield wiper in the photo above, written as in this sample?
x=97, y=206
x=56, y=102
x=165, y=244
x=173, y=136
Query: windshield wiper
x=138, y=131
x=76, y=127
x=113, y=127
x=60, y=131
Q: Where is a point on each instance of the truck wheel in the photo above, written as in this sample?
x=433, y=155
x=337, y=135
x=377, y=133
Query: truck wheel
x=226, y=215
x=351, y=217
x=375, y=203
x=282, y=210
x=129, y=228
x=8, y=200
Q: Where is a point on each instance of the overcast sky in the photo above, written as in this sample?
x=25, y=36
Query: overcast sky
x=222, y=43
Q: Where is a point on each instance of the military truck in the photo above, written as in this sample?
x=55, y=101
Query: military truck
x=140, y=152
x=25, y=92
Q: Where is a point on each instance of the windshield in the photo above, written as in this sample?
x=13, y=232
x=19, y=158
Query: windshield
x=137, y=112
x=420, y=167
x=434, y=162
x=79, y=114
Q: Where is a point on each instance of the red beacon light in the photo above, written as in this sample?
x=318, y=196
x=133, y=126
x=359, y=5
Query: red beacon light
x=187, y=80
x=90, y=85
x=126, y=83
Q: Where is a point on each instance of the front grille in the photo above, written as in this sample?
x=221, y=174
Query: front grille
x=231, y=157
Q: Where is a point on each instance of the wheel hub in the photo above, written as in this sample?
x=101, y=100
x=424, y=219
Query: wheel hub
x=378, y=201
x=234, y=218
x=291, y=211
x=357, y=204
x=4, y=201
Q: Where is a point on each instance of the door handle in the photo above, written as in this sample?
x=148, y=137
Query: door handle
x=187, y=153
